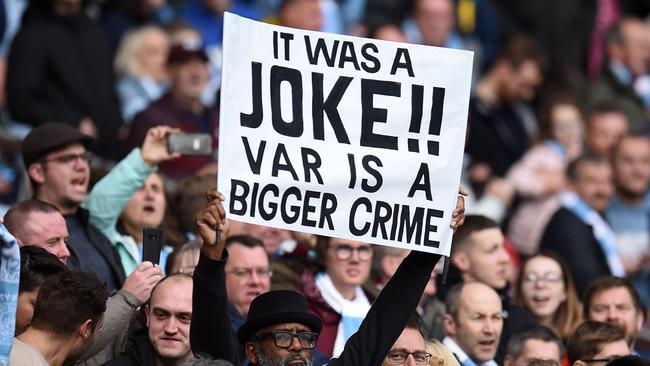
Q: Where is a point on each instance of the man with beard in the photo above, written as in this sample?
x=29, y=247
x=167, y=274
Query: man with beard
x=627, y=212
x=613, y=300
x=68, y=312
x=279, y=329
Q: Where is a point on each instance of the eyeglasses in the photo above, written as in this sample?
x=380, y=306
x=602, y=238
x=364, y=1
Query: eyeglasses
x=284, y=339
x=399, y=357
x=546, y=277
x=248, y=272
x=344, y=252
x=540, y=362
x=603, y=360
x=69, y=158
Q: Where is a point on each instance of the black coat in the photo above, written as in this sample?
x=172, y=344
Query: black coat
x=496, y=136
x=60, y=69
x=573, y=240
x=140, y=351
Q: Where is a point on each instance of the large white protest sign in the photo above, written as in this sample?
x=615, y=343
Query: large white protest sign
x=342, y=136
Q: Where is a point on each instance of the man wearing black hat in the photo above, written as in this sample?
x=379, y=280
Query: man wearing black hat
x=182, y=107
x=279, y=329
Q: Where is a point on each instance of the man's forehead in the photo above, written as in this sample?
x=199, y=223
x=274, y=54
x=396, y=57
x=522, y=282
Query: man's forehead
x=540, y=349
x=172, y=290
x=239, y=253
x=478, y=298
x=613, y=295
x=487, y=237
x=292, y=327
x=50, y=223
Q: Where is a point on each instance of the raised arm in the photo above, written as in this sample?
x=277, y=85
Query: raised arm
x=210, y=330
x=391, y=310
x=109, y=196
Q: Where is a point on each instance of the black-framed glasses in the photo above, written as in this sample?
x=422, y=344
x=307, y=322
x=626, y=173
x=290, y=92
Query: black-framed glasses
x=344, y=252
x=603, y=360
x=540, y=362
x=399, y=357
x=69, y=158
x=284, y=338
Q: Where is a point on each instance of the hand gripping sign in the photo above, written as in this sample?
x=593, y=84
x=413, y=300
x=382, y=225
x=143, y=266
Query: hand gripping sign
x=342, y=136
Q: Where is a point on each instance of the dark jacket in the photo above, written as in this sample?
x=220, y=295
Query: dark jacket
x=104, y=246
x=573, y=240
x=496, y=135
x=60, y=69
x=140, y=351
x=166, y=111
x=610, y=90
x=210, y=331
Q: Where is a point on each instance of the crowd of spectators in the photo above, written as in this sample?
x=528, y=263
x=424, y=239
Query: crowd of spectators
x=551, y=265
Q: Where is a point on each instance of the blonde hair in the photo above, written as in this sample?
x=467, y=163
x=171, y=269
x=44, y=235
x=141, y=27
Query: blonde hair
x=440, y=355
x=184, y=258
x=126, y=59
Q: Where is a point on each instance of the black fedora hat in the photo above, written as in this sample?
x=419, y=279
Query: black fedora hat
x=276, y=307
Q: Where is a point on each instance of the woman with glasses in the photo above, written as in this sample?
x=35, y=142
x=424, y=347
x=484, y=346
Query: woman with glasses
x=335, y=293
x=546, y=289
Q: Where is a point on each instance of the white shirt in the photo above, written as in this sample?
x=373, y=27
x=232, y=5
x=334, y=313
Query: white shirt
x=462, y=356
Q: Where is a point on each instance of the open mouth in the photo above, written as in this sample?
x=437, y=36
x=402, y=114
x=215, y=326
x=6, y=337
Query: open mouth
x=79, y=182
x=487, y=344
x=540, y=300
x=149, y=209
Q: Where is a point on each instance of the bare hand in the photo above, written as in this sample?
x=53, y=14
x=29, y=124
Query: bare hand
x=501, y=189
x=212, y=223
x=87, y=127
x=458, y=217
x=154, y=148
x=142, y=281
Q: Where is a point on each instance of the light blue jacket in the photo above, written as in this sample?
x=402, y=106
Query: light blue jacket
x=107, y=200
